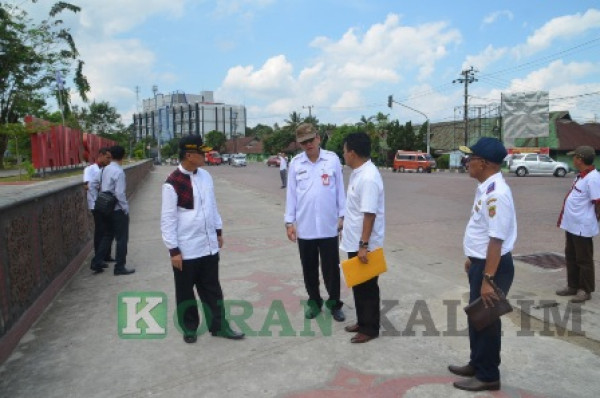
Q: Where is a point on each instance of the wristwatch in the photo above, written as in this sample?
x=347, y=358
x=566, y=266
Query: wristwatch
x=289, y=224
x=362, y=244
x=488, y=277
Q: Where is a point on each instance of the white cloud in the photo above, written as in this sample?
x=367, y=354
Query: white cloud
x=493, y=17
x=484, y=58
x=566, y=26
x=275, y=76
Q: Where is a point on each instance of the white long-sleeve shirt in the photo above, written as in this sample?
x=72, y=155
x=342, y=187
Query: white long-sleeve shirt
x=192, y=231
x=315, y=197
x=113, y=179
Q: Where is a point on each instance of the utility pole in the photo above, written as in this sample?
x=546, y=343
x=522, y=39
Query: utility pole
x=468, y=77
x=391, y=101
x=309, y=109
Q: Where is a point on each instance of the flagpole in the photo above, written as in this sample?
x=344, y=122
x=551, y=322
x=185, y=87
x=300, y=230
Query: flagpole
x=59, y=87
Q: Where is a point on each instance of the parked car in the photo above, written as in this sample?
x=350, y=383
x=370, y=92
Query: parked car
x=226, y=158
x=238, y=160
x=213, y=158
x=533, y=163
x=410, y=160
x=273, y=161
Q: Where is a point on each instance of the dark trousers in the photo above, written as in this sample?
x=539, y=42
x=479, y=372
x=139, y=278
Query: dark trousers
x=99, y=232
x=579, y=253
x=283, y=175
x=203, y=274
x=368, y=306
x=115, y=225
x=485, y=344
x=327, y=248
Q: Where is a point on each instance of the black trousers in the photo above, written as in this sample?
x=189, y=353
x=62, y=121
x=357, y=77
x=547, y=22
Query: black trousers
x=115, y=225
x=485, y=344
x=203, y=274
x=368, y=305
x=579, y=253
x=99, y=232
x=283, y=175
x=327, y=249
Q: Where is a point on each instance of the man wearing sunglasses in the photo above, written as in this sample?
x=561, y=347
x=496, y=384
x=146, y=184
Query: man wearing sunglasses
x=489, y=239
x=314, y=212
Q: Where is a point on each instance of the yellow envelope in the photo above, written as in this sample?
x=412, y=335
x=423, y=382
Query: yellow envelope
x=356, y=272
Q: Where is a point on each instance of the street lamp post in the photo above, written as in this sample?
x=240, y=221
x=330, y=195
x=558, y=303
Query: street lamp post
x=234, y=125
x=391, y=99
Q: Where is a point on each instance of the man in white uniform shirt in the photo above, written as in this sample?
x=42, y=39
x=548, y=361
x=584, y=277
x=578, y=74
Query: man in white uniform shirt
x=192, y=231
x=91, y=183
x=489, y=239
x=579, y=218
x=364, y=228
x=283, y=170
x=314, y=211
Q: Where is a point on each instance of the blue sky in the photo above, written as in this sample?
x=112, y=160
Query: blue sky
x=341, y=57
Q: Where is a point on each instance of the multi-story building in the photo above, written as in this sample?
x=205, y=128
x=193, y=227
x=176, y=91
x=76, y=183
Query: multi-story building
x=179, y=114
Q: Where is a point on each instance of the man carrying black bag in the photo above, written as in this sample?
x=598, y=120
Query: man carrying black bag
x=489, y=239
x=117, y=222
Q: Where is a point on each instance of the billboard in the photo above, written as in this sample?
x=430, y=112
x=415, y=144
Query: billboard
x=525, y=115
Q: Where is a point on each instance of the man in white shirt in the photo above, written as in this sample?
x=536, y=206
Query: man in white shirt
x=364, y=230
x=314, y=211
x=113, y=180
x=579, y=218
x=91, y=183
x=283, y=169
x=192, y=231
x=489, y=239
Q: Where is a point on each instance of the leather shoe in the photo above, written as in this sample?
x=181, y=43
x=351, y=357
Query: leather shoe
x=465, y=371
x=124, y=271
x=228, y=333
x=312, y=312
x=104, y=265
x=338, y=315
x=361, y=338
x=97, y=269
x=567, y=291
x=351, y=328
x=581, y=296
x=473, y=384
x=190, y=339
x=109, y=259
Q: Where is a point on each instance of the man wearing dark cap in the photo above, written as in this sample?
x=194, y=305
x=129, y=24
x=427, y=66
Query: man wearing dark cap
x=314, y=211
x=192, y=231
x=489, y=239
x=579, y=218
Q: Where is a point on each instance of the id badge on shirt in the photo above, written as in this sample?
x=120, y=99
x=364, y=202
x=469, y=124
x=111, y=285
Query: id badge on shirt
x=325, y=178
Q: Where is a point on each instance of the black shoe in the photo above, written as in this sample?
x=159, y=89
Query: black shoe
x=104, y=265
x=229, y=333
x=338, y=315
x=97, y=269
x=464, y=371
x=474, y=384
x=190, y=339
x=124, y=271
x=312, y=312
x=109, y=259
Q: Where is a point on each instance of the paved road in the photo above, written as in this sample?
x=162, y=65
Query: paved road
x=75, y=349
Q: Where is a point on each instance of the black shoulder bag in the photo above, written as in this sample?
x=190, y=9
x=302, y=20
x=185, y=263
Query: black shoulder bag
x=106, y=201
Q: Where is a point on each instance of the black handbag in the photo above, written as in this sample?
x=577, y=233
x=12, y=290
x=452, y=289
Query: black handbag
x=106, y=201
x=482, y=317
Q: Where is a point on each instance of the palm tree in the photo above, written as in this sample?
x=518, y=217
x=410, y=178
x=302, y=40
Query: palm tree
x=293, y=122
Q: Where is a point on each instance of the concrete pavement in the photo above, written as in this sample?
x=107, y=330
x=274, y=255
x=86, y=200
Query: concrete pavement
x=75, y=349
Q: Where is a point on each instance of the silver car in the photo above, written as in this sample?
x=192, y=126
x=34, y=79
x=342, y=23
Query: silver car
x=533, y=163
x=238, y=160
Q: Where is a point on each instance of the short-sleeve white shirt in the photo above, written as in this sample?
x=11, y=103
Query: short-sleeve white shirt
x=91, y=176
x=365, y=195
x=579, y=217
x=492, y=216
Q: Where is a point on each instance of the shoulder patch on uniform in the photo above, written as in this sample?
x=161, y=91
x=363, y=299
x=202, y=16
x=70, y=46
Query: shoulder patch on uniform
x=491, y=187
x=491, y=200
x=492, y=211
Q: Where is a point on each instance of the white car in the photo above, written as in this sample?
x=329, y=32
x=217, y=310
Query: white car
x=238, y=160
x=533, y=163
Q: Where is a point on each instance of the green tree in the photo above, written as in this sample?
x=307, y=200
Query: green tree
x=278, y=141
x=336, y=140
x=401, y=137
x=101, y=118
x=32, y=53
x=293, y=122
x=216, y=140
x=260, y=131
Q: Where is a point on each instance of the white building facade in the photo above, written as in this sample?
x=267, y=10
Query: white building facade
x=178, y=114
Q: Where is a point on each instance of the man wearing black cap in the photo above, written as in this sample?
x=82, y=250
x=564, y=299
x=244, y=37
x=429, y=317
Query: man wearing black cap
x=489, y=239
x=579, y=218
x=192, y=231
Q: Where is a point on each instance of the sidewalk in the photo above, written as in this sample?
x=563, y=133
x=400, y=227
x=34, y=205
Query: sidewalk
x=75, y=350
